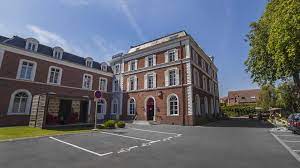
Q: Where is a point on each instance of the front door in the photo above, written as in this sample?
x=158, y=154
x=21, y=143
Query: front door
x=150, y=109
x=65, y=108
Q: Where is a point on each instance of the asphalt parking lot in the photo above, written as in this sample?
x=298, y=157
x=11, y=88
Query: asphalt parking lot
x=288, y=140
x=231, y=143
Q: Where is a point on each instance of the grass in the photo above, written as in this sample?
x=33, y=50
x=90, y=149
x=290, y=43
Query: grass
x=26, y=132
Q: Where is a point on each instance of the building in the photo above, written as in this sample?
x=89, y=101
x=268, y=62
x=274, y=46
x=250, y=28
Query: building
x=250, y=96
x=167, y=80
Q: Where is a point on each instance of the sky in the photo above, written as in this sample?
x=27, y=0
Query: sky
x=102, y=28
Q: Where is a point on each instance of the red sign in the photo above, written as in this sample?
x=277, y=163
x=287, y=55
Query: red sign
x=97, y=94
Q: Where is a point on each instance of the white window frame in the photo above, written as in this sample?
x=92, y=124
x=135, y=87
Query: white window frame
x=128, y=106
x=32, y=76
x=11, y=102
x=117, y=70
x=146, y=80
x=104, y=104
x=59, y=75
x=204, y=80
x=103, y=67
x=167, y=76
x=30, y=43
x=130, y=65
x=168, y=105
x=91, y=84
x=114, y=101
x=167, y=53
x=134, y=77
x=89, y=62
x=57, y=53
x=116, y=87
x=1, y=56
x=105, y=87
x=153, y=60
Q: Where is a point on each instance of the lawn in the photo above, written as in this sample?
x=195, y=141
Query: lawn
x=25, y=131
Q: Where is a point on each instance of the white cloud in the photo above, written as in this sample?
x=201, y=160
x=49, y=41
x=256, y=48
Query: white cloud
x=53, y=39
x=132, y=21
x=106, y=48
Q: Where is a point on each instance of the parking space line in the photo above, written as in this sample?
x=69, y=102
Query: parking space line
x=154, y=131
x=142, y=139
x=289, y=135
x=291, y=141
x=293, y=153
x=78, y=147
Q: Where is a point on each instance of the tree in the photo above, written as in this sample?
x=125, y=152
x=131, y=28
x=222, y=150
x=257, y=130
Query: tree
x=267, y=97
x=275, y=44
x=286, y=97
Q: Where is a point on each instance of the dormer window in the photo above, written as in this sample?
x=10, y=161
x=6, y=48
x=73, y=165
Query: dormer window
x=89, y=62
x=31, y=44
x=103, y=67
x=57, y=53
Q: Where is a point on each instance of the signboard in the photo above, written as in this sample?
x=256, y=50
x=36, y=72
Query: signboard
x=97, y=95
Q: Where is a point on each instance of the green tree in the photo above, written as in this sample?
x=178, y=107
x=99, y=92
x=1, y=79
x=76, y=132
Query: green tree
x=267, y=97
x=275, y=44
x=286, y=97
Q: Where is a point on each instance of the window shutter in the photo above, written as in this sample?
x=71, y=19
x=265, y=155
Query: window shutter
x=176, y=54
x=129, y=63
x=166, y=78
x=136, y=64
x=135, y=83
x=177, y=77
x=146, y=62
x=145, y=81
x=154, y=80
x=154, y=60
x=128, y=79
x=166, y=57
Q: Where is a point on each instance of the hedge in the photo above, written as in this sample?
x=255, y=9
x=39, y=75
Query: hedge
x=238, y=110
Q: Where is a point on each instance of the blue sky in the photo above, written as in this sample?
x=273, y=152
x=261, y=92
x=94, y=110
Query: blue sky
x=101, y=28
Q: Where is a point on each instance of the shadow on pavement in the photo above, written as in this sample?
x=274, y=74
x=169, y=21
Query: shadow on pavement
x=240, y=122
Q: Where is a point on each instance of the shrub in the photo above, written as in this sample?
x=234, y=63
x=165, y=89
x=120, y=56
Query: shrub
x=121, y=124
x=109, y=124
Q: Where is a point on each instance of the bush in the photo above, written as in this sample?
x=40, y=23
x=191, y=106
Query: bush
x=110, y=124
x=121, y=124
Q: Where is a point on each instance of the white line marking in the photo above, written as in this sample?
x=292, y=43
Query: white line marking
x=78, y=147
x=127, y=149
x=154, y=131
x=290, y=141
x=289, y=135
x=296, y=156
x=103, y=132
x=154, y=141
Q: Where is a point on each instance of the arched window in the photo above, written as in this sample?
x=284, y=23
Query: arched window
x=101, y=106
x=20, y=102
x=131, y=106
x=173, y=105
x=114, y=107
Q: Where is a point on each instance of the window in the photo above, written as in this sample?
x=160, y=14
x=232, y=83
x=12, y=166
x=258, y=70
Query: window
x=103, y=84
x=132, y=83
x=171, y=55
x=20, y=102
x=132, y=65
x=31, y=44
x=89, y=62
x=150, y=80
x=117, y=68
x=150, y=61
x=114, y=107
x=116, y=85
x=57, y=52
x=172, y=77
x=101, y=109
x=173, y=105
x=87, y=81
x=26, y=70
x=204, y=83
x=196, y=78
x=54, y=75
x=131, y=106
x=103, y=67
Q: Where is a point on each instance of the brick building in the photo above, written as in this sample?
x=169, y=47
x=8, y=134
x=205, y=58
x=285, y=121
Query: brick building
x=250, y=96
x=168, y=80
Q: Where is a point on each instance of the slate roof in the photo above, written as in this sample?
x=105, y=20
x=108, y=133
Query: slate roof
x=46, y=50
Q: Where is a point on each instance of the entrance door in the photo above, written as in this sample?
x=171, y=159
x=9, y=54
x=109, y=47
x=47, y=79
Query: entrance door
x=84, y=107
x=65, y=107
x=150, y=109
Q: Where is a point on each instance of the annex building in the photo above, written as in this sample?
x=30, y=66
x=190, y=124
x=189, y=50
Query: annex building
x=167, y=80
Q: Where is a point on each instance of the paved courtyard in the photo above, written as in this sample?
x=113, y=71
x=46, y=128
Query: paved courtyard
x=231, y=143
